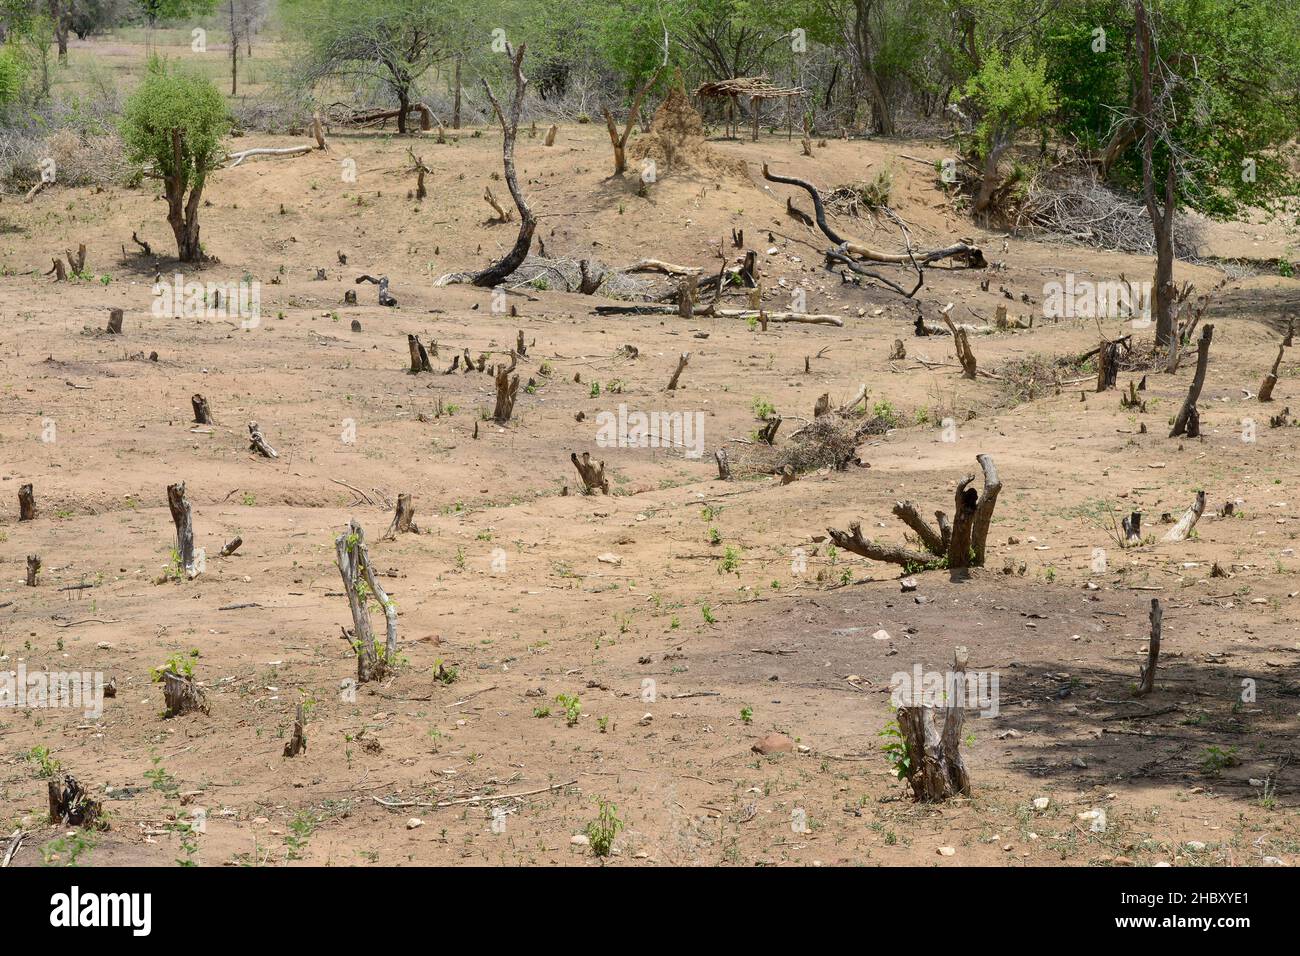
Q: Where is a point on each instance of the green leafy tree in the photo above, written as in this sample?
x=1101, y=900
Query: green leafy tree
x=173, y=127
x=1006, y=96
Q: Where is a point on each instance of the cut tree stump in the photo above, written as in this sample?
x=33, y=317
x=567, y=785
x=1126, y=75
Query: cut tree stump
x=1107, y=365
x=935, y=769
x=1132, y=527
x=419, y=355
x=957, y=546
x=1188, y=421
x=593, y=475
x=231, y=546
x=181, y=695
x=33, y=569
x=114, y=322
x=71, y=805
x=1270, y=380
x=403, y=517
x=1153, y=650
x=507, y=389
x=257, y=442
x=1187, y=522
x=26, y=503
x=202, y=413
x=961, y=342
x=297, y=742
x=182, y=518
x=724, y=465
x=354, y=565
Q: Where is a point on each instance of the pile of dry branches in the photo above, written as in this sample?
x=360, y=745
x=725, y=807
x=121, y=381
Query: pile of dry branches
x=1070, y=202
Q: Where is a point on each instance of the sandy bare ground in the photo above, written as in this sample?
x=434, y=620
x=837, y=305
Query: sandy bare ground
x=505, y=586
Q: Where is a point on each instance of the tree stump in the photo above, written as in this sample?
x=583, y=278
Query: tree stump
x=935, y=769
x=403, y=517
x=181, y=695
x=507, y=388
x=1270, y=380
x=1153, y=650
x=26, y=503
x=1107, y=365
x=297, y=742
x=71, y=805
x=33, y=569
x=114, y=321
x=682, y=361
x=686, y=297
x=419, y=355
x=593, y=475
x=202, y=414
x=1132, y=527
x=724, y=465
x=257, y=442
x=354, y=566
x=181, y=517
x=1188, y=421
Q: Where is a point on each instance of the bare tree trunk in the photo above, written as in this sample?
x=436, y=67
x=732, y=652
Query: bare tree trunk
x=498, y=271
x=1188, y=421
x=1153, y=650
x=181, y=517
x=1162, y=219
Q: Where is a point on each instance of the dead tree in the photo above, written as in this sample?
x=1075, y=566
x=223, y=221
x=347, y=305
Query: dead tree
x=956, y=545
x=1187, y=522
x=1153, y=651
x=257, y=442
x=851, y=253
x=403, y=518
x=1188, y=421
x=182, y=518
x=114, y=322
x=682, y=361
x=71, y=805
x=619, y=142
x=1270, y=380
x=934, y=768
x=361, y=584
x=419, y=355
x=593, y=475
x=33, y=569
x=297, y=741
x=382, y=281
x=181, y=695
x=507, y=389
x=26, y=503
x=498, y=271
x=202, y=414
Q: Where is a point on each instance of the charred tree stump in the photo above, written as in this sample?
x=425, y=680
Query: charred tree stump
x=385, y=299
x=181, y=517
x=1153, y=650
x=202, y=414
x=1270, y=380
x=181, y=695
x=257, y=442
x=935, y=769
x=682, y=361
x=114, y=322
x=33, y=569
x=297, y=742
x=593, y=475
x=1188, y=421
x=71, y=805
x=373, y=663
x=26, y=503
